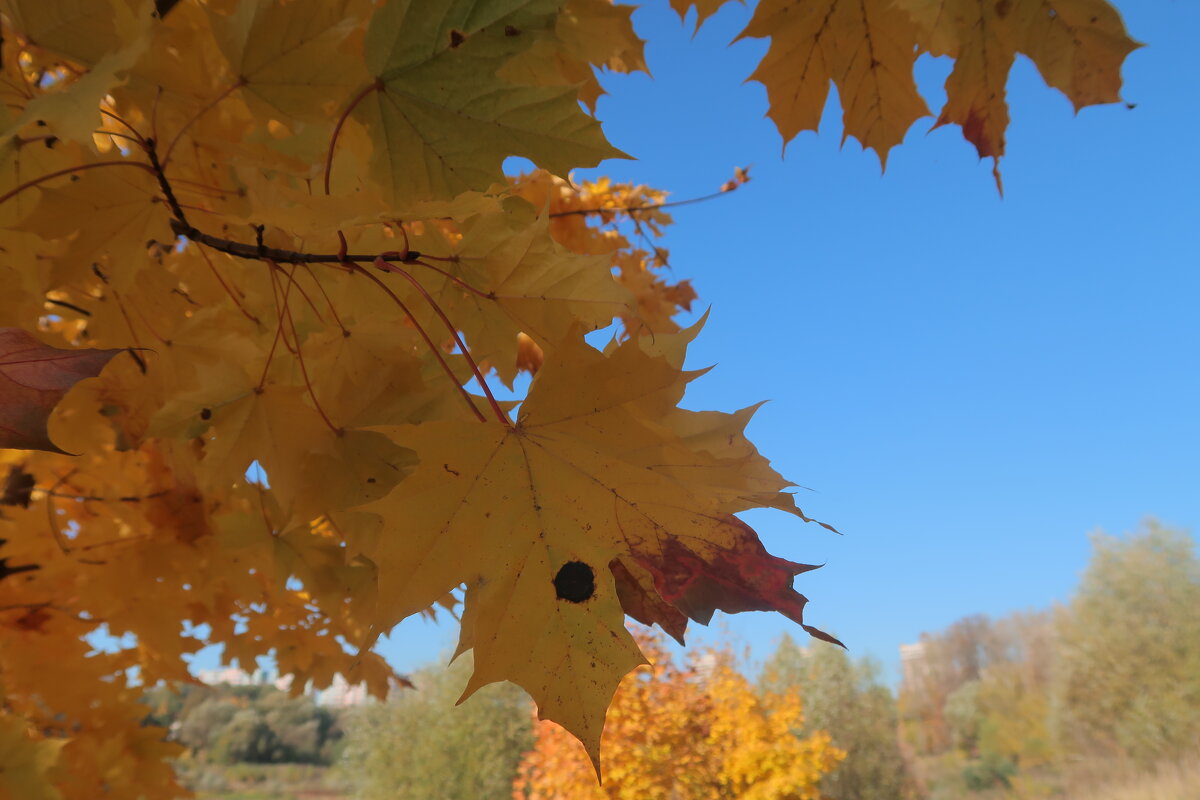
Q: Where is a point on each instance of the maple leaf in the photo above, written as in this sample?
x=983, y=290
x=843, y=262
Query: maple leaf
x=704, y=9
x=86, y=33
x=866, y=48
x=531, y=516
x=33, y=378
x=522, y=281
x=113, y=215
x=442, y=119
x=587, y=34
x=288, y=56
x=1077, y=45
x=24, y=760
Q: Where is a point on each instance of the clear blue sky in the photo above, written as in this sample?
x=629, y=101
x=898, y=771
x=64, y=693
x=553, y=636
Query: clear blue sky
x=969, y=384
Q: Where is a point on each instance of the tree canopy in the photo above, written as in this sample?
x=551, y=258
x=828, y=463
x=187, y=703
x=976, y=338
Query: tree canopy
x=262, y=271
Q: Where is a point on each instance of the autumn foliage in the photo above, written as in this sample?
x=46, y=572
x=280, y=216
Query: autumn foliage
x=696, y=731
x=285, y=228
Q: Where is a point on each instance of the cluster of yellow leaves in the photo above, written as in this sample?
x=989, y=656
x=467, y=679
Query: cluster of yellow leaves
x=290, y=222
x=631, y=222
x=692, y=732
x=867, y=48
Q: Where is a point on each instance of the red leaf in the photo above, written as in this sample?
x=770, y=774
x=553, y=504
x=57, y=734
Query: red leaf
x=33, y=378
x=742, y=577
x=644, y=604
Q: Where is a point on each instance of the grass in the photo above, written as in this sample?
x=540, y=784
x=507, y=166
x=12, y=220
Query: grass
x=1175, y=781
x=1095, y=780
x=261, y=782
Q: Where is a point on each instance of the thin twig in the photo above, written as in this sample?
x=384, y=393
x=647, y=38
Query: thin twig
x=632, y=209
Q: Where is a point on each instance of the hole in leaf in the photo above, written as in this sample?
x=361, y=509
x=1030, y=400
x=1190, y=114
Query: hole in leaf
x=575, y=582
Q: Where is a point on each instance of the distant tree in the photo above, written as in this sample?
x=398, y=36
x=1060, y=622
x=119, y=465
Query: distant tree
x=420, y=745
x=692, y=731
x=305, y=732
x=963, y=717
x=1001, y=715
x=256, y=724
x=246, y=738
x=165, y=704
x=1128, y=668
x=948, y=660
x=200, y=725
x=847, y=700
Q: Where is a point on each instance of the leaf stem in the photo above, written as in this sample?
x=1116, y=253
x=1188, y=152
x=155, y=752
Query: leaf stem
x=337, y=129
x=192, y=121
x=51, y=175
x=389, y=267
x=433, y=348
x=300, y=353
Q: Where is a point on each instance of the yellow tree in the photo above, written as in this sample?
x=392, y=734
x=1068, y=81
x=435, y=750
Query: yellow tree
x=693, y=732
x=278, y=236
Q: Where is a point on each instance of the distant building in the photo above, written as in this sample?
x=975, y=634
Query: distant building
x=913, y=666
x=341, y=694
x=338, y=694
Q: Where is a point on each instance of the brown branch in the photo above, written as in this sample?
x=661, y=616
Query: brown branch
x=251, y=252
x=49, y=606
x=351, y=261
x=95, y=498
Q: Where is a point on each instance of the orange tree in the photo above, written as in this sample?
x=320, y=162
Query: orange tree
x=278, y=235
x=692, y=732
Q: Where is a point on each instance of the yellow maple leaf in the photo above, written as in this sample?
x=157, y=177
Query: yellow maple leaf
x=531, y=516
x=115, y=214
x=288, y=56
x=588, y=33
x=24, y=761
x=521, y=281
x=704, y=9
x=866, y=48
x=84, y=32
x=1077, y=45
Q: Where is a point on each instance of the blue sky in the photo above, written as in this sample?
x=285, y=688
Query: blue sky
x=969, y=384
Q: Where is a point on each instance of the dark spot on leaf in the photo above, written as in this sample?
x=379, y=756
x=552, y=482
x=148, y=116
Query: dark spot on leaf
x=206, y=414
x=456, y=38
x=17, y=488
x=370, y=480
x=453, y=472
x=575, y=582
x=509, y=30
